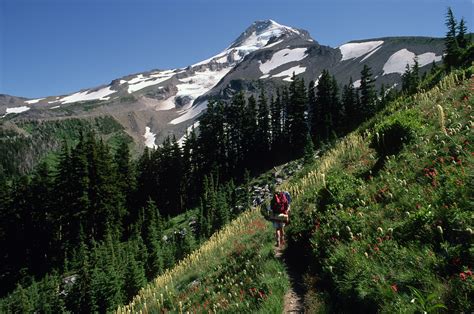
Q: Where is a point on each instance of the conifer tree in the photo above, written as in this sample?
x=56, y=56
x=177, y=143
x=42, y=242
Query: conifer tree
x=250, y=141
x=277, y=140
x=263, y=130
x=236, y=146
x=297, y=124
x=322, y=124
x=308, y=156
x=451, y=52
x=368, y=96
x=125, y=174
x=349, y=101
x=461, y=35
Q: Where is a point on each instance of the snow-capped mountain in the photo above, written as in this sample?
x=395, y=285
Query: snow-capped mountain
x=154, y=104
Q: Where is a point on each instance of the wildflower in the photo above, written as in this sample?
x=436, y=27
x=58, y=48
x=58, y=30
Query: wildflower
x=394, y=287
x=462, y=276
x=412, y=300
x=390, y=230
x=348, y=228
x=440, y=229
x=379, y=229
x=366, y=254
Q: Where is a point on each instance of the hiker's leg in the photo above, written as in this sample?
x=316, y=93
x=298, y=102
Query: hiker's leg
x=277, y=236
x=282, y=235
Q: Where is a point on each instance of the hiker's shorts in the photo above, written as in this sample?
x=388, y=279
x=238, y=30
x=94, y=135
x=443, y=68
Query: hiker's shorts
x=278, y=225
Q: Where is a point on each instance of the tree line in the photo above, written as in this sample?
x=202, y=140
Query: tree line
x=100, y=217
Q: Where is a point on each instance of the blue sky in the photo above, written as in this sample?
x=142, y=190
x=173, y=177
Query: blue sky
x=54, y=47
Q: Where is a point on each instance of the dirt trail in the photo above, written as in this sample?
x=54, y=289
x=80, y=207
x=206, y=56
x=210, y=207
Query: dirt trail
x=295, y=295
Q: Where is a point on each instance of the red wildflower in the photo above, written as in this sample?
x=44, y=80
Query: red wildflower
x=468, y=272
x=462, y=276
x=376, y=248
x=394, y=287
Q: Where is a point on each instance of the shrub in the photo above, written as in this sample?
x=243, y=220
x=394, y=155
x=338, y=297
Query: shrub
x=395, y=131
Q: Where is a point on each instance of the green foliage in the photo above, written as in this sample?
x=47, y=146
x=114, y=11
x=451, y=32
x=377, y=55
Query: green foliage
x=399, y=239
x=395, y=131
x=30, y=141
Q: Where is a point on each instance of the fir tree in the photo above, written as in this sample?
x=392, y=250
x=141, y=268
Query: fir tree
x=451, y=52
x=350, y=103
x=322, y=124
x=461, y=35
x=308, y=156
x=368, y=95
x=276, y=111
x=263, y=131
x=297, y=124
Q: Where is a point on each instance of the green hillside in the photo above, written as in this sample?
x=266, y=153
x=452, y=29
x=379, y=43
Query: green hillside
x=381, y=222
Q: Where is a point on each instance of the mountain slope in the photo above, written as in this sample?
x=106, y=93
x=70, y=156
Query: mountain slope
x=368, y=237
x=155, y=104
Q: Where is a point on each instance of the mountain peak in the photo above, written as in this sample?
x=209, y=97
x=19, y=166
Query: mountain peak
x=260, y=32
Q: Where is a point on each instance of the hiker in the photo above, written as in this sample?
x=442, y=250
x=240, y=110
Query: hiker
x=280, y=207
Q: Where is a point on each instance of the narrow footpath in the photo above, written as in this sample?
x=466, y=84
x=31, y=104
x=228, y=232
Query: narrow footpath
x=295, y=295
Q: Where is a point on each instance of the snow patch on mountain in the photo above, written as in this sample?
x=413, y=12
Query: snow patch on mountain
x=248, y=42
x=33, y=101
x=356, y=50
x=141, y=82
x=190, y=113
x=274, y=44
x=398, y=61
x=200, y=83
x=370, y=54
x=17, y=110
x=260, y=37
x=289, y=73
x=427, y=58
x=100, y=94
x=282, y=57
x=356, y=84
x=149, y=138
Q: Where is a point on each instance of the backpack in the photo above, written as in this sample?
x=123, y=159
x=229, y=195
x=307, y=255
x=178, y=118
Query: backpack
x=288, y=197
x=279, y=203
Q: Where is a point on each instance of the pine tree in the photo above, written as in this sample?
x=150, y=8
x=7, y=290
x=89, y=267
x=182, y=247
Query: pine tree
x=336, y=110
x=314, y=112
x=349, y=101
x=308, y=156
x=451, y=52
x=212, y=139
x=125, y=174
x=297, y=124
x=461, y=35
x=368, y=95
x=236, y=140
x=191, y=168
x=263, y=131
x=323, y=124
x=135, y=273
x=43, y=223
x=276, y=111
x=152, y=235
